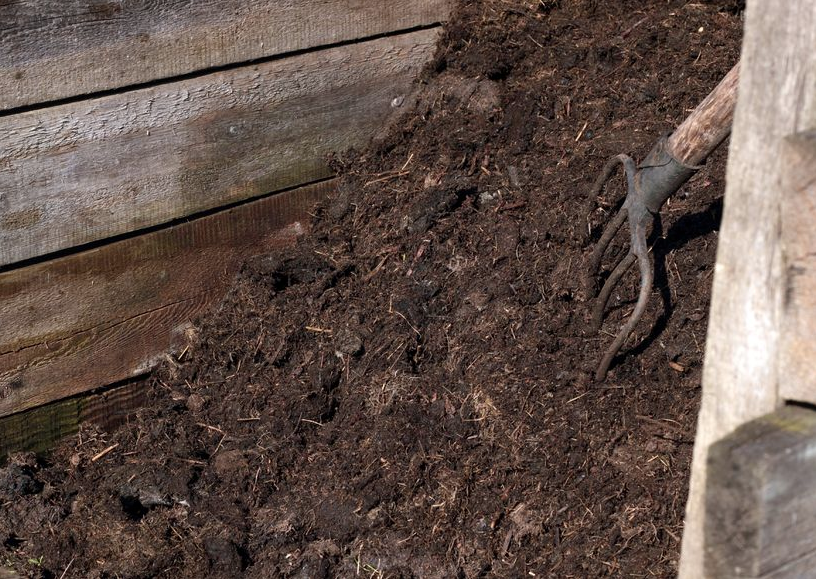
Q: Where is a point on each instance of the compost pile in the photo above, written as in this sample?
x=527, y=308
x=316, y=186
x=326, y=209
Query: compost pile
x=407, y=393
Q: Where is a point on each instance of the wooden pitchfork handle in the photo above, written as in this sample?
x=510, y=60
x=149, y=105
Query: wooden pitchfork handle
x=672, y=161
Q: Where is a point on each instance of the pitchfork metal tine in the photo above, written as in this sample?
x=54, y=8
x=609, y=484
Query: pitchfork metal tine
x=617, y=222
x=603, y=297
x=635, y=212
x=640, y=251
x=603, y=243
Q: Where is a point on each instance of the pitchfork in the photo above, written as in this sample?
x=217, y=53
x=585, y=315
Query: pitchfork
x=671, y=162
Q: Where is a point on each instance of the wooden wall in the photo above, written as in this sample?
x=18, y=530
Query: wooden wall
x=147, y=147
x=761, y=310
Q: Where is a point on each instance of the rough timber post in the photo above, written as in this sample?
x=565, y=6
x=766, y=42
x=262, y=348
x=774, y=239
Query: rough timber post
x=741, y=379
x=760, y=502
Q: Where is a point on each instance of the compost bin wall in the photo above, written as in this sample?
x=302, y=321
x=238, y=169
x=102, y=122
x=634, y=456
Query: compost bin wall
x=146, y=149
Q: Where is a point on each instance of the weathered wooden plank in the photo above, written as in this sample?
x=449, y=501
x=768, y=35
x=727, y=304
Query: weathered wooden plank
x=761, y=497
x=102, y=355
x=797, y=350
x=100, y=316
x=53, y=49
x=777, y=98
x=39, y=429
x=85, y=171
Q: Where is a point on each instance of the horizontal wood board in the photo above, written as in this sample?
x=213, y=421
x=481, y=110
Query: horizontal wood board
x=93, y=318
x=83, y=172
x=55, y=49
x=39, y=429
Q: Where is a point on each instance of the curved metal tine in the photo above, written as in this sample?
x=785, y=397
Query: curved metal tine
x=612, y=228
x=603, y=298
x=641, y=251
x=600, y=248
x=606, y=172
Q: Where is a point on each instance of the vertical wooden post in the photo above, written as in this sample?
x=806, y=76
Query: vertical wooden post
x=760, y=496
x=777, y=98
x=797, y=346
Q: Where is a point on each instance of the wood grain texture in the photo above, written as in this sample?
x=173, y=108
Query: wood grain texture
x=799, y=569
x=39, y=429
x=100, y=316
x=53, y=49
x=708, y=125
x=761, y=498
x=797, y=350
x=85, y=171
x=777, y=98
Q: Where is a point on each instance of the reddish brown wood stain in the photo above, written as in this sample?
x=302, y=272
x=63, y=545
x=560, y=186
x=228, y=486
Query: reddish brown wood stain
x=107, y=314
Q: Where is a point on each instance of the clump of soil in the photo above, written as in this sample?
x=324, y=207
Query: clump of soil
x=407, y=393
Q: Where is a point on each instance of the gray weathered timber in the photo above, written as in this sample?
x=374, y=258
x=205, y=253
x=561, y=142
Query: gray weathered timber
x=797, y=352
x=777, y=98
x=761, y=498
x=53, y=49
x=85, y=171
x=96, y=317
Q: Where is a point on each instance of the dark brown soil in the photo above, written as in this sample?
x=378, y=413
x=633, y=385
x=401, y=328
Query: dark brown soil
x=408, y=392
